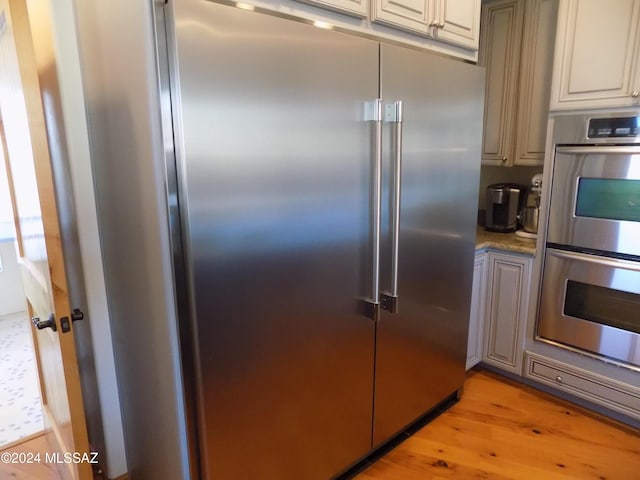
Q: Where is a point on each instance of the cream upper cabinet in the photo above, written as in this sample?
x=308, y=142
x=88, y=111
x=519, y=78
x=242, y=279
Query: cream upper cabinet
x=452, y=21
x=516, y=47
x=500, y=41
x=458, y=22
x=411, y=15
x=536, y=70
x=597, y=55
x=351, y=7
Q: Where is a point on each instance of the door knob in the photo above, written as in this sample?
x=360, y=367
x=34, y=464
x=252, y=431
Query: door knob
x=48, y=323
x=635, y=94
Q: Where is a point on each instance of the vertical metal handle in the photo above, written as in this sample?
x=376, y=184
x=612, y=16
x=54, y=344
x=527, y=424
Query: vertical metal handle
x=394, y=115
x=373, y=113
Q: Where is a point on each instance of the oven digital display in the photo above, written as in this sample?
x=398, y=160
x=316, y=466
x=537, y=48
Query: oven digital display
x=608, y=198
x=620, y=127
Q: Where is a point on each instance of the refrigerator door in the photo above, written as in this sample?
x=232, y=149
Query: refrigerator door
x=274, y=163
x=420, y=350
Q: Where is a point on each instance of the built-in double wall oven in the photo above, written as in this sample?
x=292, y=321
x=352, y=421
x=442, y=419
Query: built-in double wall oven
x=590, y=297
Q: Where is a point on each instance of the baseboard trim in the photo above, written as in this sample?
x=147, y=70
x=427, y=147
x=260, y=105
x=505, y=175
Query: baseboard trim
x=22, y=440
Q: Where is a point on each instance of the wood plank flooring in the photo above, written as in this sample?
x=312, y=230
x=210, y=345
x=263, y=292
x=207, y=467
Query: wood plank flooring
x=504, y=430
x=499, y=430
x=31, y=469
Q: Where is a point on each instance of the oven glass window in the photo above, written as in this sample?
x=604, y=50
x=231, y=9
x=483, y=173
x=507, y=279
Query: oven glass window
x=610, y=198
x=603, y=305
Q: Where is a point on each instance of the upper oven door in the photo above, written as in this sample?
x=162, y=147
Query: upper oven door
x=595, y=199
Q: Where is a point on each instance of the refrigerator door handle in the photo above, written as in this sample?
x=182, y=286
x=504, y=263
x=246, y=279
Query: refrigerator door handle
x=373, y=113
x=393, y=114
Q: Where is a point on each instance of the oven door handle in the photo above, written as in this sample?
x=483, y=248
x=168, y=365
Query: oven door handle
x=604, y=261
x=620, y=150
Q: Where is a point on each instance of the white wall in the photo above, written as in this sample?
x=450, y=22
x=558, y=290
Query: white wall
x=12, y=298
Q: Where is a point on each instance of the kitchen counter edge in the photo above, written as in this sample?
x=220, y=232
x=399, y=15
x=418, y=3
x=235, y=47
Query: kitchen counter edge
x=509, y=242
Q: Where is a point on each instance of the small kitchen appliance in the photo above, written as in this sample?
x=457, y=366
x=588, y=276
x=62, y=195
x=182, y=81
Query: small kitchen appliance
x=528, y=216
x=504, y=201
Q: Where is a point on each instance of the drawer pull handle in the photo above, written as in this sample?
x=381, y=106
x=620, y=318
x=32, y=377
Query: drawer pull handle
x=559, y=379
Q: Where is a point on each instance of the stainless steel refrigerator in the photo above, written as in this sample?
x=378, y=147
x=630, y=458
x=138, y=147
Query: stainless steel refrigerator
x=324, y=227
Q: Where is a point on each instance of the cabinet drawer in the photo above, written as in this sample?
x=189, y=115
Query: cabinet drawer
x=603, y=391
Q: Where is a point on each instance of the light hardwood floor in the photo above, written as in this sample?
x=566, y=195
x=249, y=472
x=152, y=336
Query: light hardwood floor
x=25, y=465
x=504, y=430
x=499, y=430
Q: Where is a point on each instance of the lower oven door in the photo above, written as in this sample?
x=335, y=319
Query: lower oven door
x=591, y=303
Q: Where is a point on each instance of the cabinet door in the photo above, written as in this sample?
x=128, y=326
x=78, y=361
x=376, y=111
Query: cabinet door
x=350, y=7
x=411, y=15
x=507, y=297
x=458, y=22
x=596, y=58
x=500, y=41
x=477, y=314
x=536, y=64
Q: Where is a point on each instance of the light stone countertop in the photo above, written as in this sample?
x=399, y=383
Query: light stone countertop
x=504, y=241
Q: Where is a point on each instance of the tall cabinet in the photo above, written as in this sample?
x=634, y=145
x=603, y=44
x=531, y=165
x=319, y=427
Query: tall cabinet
x=516, y=47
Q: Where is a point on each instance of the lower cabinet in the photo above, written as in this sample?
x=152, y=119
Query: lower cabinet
x=497, y=329
x=478, y=303
x=499, y=304
x=508, y=288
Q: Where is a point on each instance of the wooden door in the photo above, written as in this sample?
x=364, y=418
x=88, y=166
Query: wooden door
x=24, y=137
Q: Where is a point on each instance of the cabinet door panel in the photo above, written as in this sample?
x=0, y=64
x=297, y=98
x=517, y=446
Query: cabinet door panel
x=460, y=20
x=500, y=41
x=408, y=15
x=350, y=7
x=535, y=80
x=477, y=314
x=507, y=299
x=597, y=54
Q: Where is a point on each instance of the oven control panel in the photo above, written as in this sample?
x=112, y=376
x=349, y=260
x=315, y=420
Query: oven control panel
x=614, y=127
